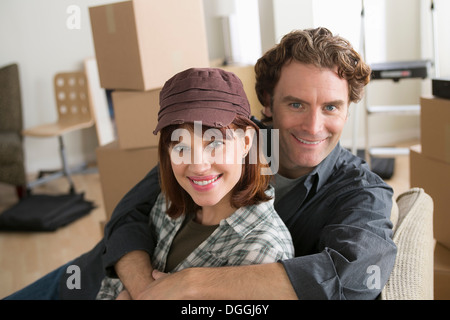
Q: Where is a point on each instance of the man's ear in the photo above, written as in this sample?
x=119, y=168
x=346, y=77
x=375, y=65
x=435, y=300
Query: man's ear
x=267, y=111
x=267, y=107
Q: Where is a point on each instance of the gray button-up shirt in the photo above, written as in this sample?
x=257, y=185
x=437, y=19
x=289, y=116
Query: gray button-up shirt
x=339, y=218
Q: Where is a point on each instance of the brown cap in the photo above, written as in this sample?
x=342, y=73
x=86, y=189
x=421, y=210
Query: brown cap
x=212, y=96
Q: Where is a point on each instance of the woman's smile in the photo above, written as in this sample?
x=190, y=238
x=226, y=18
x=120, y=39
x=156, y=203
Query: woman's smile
x=204, y=183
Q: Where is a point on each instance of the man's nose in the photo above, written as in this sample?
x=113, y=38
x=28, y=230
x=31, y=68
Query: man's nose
x=312, y=122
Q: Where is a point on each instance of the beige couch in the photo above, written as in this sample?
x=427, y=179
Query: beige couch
x=412, y=276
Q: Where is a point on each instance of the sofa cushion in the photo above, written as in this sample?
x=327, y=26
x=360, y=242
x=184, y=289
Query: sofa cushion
x=412, y=276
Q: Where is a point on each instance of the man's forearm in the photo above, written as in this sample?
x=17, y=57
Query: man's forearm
x=255, y=282
x=264, y=281
x=134, y=270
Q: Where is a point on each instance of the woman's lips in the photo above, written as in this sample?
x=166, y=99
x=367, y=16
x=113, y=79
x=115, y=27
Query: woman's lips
x=204, y=183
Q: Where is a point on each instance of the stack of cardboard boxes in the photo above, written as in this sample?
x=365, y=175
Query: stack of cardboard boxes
x=139, y=45
x=430, y=170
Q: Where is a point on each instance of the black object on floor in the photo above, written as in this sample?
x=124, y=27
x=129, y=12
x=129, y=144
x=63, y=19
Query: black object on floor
x=44, y=212
x=384, y=167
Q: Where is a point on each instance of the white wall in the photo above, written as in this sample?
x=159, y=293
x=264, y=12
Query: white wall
x=290, y=15
x=34, y=34
x=442, y=14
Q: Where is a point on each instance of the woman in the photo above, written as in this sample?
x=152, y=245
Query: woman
x=215, y=207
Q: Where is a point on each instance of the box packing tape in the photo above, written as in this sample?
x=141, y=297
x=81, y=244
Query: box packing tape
x=110, y=21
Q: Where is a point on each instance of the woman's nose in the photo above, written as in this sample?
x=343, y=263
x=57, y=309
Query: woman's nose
x=200, y=161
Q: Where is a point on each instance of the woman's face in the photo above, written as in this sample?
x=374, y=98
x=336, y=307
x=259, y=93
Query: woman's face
x=208, y=165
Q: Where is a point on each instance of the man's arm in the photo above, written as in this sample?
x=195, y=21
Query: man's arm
x=128, y=231
x=262, y=281
x=355, y=239
x=135, y=271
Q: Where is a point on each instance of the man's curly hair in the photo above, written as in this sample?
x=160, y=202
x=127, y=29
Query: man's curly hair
x=318, y=47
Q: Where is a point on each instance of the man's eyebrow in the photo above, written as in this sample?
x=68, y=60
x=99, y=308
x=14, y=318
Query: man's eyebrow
x=290, y=98
x=334, y=103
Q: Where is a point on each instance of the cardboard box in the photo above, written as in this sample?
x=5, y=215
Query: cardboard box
x=120, y=170
x=136, y=116
x=139, y=44
x=441, y=272
x=435, y=128
x=434, y=177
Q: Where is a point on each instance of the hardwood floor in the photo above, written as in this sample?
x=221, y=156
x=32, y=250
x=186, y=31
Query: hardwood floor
x=27, y=256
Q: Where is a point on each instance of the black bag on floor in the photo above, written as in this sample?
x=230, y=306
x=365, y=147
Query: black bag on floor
x=384, y=167
x=44, y=212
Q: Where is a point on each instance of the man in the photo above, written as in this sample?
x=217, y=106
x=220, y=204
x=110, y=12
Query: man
x=336, y=209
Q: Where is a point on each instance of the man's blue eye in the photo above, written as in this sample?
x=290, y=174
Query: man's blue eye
x=330, y=107
x=296, y=105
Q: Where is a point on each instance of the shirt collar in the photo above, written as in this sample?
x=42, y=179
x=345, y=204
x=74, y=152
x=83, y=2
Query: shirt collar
x=245, y=219
x=309, y=187
x=325, y=169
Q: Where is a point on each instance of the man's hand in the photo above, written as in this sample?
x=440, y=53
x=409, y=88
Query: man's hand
x=174, y=286
x=158, y=274
x=124, y=295
x=267, y=281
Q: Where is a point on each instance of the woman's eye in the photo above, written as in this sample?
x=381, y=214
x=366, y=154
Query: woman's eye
x=180, y=149
x=215, y=144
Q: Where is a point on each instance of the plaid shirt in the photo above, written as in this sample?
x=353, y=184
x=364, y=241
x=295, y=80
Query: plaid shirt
x=251, y=235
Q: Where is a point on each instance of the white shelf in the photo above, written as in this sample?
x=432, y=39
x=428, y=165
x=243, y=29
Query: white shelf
x=388, y=151
x=400, y=109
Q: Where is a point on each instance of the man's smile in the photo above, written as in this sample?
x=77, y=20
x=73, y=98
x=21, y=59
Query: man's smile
x=309, y=142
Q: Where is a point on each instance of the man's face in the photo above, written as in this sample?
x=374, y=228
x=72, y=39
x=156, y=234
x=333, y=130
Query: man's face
x=310, y=109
